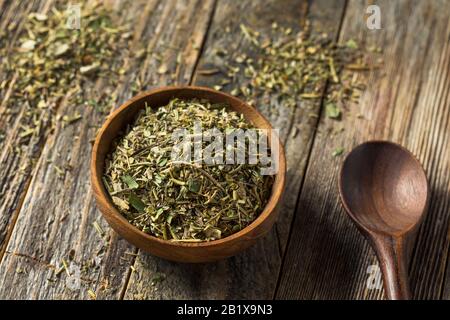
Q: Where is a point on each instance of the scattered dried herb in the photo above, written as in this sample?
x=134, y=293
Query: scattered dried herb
x=182, y=201
x=282, y=68
x=92, y=294
x=288, y=67
x=158, y=278
x=332, y=111
x=338, y=152
x=50, y=62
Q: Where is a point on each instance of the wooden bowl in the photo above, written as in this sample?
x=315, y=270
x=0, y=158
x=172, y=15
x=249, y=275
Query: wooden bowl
x=171, y=250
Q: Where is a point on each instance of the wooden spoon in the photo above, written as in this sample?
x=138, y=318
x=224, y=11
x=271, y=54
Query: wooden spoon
x=384, y=190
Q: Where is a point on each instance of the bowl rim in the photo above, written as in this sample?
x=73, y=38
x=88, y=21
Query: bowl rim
x=100, y=191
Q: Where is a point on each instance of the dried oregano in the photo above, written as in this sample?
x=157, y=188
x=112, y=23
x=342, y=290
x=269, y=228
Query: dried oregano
x=183, y=201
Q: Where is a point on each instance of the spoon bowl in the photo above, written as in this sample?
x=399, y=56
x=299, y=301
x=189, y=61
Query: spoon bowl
x=384, y=189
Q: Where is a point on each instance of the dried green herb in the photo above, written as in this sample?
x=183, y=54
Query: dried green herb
x=289, y=66
x=158, y=278
x=338, y=152
x=132, y=184
x=285, y=67
x=332, y=111
x=92, y=294
x=351, y=44
x=183, y=201
x=50, y=62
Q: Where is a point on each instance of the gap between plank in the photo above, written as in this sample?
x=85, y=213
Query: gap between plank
x=16, y=213
x=441, y=294
x=304, y=18
x=322, y=100
x=15, y=216
x=41, y=145
x=129, y=273
x=205, y=38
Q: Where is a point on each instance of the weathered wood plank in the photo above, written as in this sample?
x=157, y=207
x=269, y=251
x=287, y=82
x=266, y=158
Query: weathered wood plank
x=252, y=274
x=407, y=101
x=57, y=218
x=15, y=167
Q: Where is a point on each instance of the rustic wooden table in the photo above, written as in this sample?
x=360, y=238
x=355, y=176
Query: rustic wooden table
x=314, y=251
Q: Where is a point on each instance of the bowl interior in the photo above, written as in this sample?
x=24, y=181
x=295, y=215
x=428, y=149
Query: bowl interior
x=119, y=119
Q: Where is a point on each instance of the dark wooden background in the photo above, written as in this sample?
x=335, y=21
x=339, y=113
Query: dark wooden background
x=313, y=252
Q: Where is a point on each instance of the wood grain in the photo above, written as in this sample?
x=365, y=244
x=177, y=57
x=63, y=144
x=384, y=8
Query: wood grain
x=56, y=220
x=252, y=274
x=16, y=162
x=407, y=101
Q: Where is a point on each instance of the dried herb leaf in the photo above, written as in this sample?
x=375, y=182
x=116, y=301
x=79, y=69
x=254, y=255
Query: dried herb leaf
x=122, y=204
x=132, y=184
x=351, y=44
x=194, y=185
x=136, y=202
x=338, y=152
x=332, y=111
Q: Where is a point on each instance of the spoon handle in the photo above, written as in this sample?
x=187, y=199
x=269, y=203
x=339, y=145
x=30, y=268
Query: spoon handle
x=393, y=259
